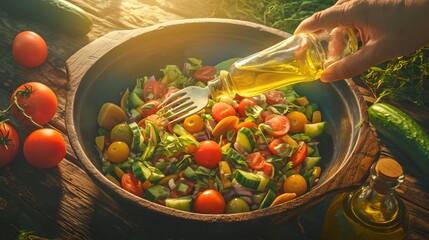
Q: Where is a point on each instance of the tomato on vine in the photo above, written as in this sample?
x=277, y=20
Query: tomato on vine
x=34, y=103
x=9, y=143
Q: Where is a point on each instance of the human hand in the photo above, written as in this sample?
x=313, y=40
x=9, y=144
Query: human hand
x=387, y=29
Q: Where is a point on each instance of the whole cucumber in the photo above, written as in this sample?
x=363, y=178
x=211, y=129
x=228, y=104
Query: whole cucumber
x=60, y=14
x=403, y=131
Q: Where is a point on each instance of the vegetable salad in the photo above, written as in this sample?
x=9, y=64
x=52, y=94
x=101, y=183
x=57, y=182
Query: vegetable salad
x=238, y=154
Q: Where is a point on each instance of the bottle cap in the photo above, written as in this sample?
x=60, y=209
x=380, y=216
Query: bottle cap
x=388, y=169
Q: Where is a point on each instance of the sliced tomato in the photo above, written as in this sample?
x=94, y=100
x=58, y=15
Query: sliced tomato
x=255, y=160
x=205, y=73
x=267, y=169
x=130, y=183
x=279, y=123
x=244, y=103
x=154, y=89
x=273, y=144
x=274, y=97
x=299, y=155
x=169, y=93
x=150, y=107
x=221, y=110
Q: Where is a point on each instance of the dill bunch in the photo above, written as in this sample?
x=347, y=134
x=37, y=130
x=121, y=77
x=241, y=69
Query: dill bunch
x=404, y=79
x=281, y=14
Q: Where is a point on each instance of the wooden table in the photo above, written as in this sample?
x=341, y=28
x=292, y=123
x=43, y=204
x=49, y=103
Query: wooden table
x=63, y=202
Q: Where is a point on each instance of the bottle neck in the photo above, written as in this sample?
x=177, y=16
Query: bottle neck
x=376, y=202
x=221, y=86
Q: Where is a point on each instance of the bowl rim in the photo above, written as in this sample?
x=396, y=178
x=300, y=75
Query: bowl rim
x=75, y=78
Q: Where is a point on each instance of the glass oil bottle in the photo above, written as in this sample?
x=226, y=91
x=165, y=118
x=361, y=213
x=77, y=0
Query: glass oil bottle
x=373, y=212
x=298, y=58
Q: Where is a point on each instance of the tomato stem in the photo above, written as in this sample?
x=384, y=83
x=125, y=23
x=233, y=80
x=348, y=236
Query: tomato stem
x=24, y=93
x=4, y=136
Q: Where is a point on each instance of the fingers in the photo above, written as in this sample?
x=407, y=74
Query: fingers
x=338, y=15
x=352, y=65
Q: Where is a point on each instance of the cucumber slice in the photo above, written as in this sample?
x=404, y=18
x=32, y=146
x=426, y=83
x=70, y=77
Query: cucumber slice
x=135, y=100
x=310, y=162
x=156, y=192
x=268, y=199
x=141, y=171
x=246, y=139
x=189, y=173
x=314, y=129
x=179, y=130
x=152, y=132
x=182, y=203
x=247, y=179
x=137, y=136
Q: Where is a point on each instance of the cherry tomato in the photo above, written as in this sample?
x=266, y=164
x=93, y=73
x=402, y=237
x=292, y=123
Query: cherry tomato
x=148, y=108
x=295, y=184
x=221, y=110
x=193, y=124
x=44, y=148
x=9, y=143
x=280, y=125
x=246, y=125
x=208, y=154
x=118, y=152
x=37, y=100
x=237, y=205
x=299, y=155
x=297, y=121
x=29, y=49
x=130, y=183
x=255, y=160
x=154, y=89
x=205, y=73
x=243, y=104
x=209, y=201
x=274, y=97
x=122, y=132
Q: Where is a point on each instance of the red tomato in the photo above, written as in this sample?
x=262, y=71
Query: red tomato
x=150, y=107
x=155, y=118
x=274, y=144
x=246, y=125
x=29, y=49
x=205, y=73
x=221, y=110
x=130, y=183
x=208, y=154
x=209, y=201
x=243, y=104
x=274, y=97
x=267, y=169
x=37, y=100
x=154, y=89
x=299, y=155
x=44, y=148
x=279, y=123
x=255, y=160
x=9, y=144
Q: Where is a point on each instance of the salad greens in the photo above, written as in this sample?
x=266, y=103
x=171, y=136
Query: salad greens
x=251, y=156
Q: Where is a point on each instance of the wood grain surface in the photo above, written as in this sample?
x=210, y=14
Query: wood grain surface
x=64, y=203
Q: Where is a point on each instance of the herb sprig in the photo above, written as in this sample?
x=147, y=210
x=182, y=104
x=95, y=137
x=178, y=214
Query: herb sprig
x=404, y=79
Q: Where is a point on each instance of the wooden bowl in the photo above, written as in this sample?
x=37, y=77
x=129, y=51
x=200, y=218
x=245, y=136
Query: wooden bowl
x=103, y=69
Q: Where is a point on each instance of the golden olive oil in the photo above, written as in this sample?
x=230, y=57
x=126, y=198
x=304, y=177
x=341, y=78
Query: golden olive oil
x=373, y=212
x=299, y=58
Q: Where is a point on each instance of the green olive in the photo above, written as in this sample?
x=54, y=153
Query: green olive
x=122, y=132
x=237, y=205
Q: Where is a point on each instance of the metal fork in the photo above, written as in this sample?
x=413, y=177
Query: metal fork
x=184, y=103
